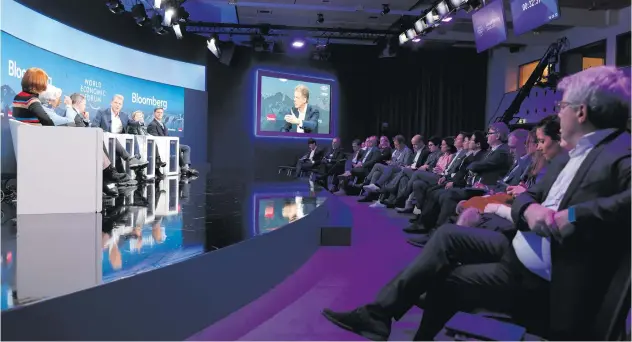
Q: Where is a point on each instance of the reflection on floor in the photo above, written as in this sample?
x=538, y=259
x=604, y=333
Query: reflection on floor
x=145, y=228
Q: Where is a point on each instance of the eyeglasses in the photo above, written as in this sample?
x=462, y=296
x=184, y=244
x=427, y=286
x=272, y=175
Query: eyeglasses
x=490, y=133
x=560, y=105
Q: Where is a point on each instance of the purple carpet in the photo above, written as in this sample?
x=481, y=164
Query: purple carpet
x=340, y=278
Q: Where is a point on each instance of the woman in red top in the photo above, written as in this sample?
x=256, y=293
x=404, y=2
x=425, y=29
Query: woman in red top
x=27, y=107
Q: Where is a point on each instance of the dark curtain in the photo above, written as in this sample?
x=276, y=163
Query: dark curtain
x=428, y=92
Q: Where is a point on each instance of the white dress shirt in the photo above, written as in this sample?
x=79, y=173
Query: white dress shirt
x=301, y=117
x=117, y=125
x=311, y=155
x=533, y=250
x=417, y=155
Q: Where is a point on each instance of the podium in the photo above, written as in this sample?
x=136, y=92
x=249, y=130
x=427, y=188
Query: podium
x=60, y=169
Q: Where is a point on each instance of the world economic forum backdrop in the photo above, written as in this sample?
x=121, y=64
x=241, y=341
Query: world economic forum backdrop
x=96, y=84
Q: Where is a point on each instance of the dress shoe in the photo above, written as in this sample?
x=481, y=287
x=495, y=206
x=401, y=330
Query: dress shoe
x=414, y=219
x=416, y=228
x=377, y=204
x=110, y=190
x=405, y=210
x=136, y=163
x=419, y=241
x=361, y=322
x=110, y=174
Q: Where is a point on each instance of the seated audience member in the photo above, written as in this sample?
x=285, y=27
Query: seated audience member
x=425, y=178
x=497, y=207
x=434, y=144
x=357, y=147
x=385, y=149
x=113, y=120
x=311, y=159
x=558, y=267
x=493, y=164
x=420, y=154
x=157, y=128
x=382, y=173
x=50, y=99
x=361, y=169
x=77, y=110
x=27, y=107
x=332, y=164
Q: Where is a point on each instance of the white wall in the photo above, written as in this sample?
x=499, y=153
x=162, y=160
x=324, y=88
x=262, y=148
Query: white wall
x=503, y=67
x=51, y=35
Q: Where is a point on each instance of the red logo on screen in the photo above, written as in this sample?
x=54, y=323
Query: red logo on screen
x=271, y=117
x=269, y=212
x=179, y=129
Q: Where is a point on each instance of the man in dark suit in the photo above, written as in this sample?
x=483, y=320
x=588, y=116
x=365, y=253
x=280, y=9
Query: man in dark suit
x=487, y=170
x=157, y=128
x=303, y=117
x=311, y=159
x=577, y=231
x=113, y=120
x=333, y=163
x=361, y=169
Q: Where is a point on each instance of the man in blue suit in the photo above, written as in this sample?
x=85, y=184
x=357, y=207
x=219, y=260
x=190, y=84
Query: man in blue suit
x=112, y=120
x=303, y=118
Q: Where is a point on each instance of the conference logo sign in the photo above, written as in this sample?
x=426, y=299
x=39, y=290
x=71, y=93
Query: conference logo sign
x=149, y=101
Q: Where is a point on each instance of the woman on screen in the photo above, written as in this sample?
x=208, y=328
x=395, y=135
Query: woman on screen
x=303, y=118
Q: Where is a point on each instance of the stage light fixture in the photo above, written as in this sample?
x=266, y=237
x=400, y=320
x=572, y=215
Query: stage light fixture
x=432, y=18
x=473, y=5
x=456, y=4
x=320, y=18
x=411, y=34
x=386, y=9
x=421, y=26
x=447, y=19
x=213, y=44
x=157, y=3
x=156, y=22
x=115, y=6
x=442, y=9
x=140, y=14
x=298, y=43
x=416, y=40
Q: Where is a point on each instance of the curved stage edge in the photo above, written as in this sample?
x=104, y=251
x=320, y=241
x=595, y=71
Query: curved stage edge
x=178, y=301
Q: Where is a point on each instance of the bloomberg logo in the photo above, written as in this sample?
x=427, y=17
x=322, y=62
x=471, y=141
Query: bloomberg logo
x=17, y=72
x=149, y=101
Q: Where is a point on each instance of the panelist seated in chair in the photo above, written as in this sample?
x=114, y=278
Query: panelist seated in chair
x=51, y=98
x=140, y=129
x=311, y=159
x=27, y=108
x=303, y=117
x=77, y=110
x=157, y=128
x=113, y=120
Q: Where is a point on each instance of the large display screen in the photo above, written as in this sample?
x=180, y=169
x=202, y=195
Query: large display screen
x=293, y=105
x=530, y=14
x=96, y=84
x=489, y=26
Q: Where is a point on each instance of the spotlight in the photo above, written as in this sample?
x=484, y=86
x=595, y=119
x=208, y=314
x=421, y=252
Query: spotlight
x=416, y=40
x=442, y=9
x=320, y=19
x=421, y=26
x=432, y=18
x=385, y=9
x=456, y=4
x=403, y=39
x=213, y=45
x=115, y=6
x=298, y=43
x=157, y=3
x=156, y=23
x=447, y=19
x=140, y=15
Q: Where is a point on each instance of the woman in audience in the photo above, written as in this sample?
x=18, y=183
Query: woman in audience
x=447, y=152
x=27, y=107
x=385, y=149
x=547, y=134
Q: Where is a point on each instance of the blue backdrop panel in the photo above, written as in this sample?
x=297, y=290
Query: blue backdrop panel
x=96, y=84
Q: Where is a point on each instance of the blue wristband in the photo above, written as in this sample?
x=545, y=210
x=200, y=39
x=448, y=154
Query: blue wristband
x=571, y=214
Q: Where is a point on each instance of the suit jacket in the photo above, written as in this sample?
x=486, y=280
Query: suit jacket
x=583, y=263
x=374, y=157
x=460, y=177
x=103, y=119
x=385, y=154
x=154, y=128
x=335, y=155
x=432, y=159
x=319, y=153
x=310, y=123
x=517, y=170
x=422, y=157
x=494, y=165
x=455, y=163
x=79, y=120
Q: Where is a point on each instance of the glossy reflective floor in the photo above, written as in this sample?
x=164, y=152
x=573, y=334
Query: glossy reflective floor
x=146, y=228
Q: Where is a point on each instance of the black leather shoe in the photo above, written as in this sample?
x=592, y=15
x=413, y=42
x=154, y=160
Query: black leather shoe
x=416, y=228
x=110, y=189
x=414, y=219
x=361, y=322
x=419, y=241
